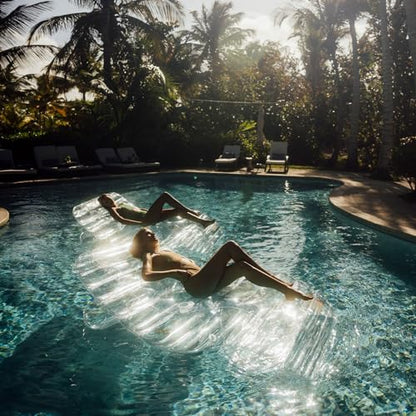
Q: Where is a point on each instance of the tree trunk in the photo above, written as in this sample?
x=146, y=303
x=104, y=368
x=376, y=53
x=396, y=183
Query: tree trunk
x=410, y=6
x=352, y=162
x=260, y=126
x=386, y=146
x=108, y=43
x=338, y=127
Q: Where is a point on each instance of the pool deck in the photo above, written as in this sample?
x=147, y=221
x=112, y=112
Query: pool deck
x=376, y=203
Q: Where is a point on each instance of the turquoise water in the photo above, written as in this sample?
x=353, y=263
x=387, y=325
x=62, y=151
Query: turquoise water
x=52, y=362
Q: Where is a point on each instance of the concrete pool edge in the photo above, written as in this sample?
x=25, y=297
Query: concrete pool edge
x=4, y=216
x=382, y=209
x=374, y=203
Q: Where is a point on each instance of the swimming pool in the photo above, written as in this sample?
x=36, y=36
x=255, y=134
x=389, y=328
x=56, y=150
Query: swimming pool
x=52, y=362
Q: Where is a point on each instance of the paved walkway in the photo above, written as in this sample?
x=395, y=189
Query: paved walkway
x=376, y=203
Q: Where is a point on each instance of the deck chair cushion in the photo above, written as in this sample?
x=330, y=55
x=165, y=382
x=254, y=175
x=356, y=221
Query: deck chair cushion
x=228, y=155
x=6, y=164
x=50, y=162
x=128, y=155
x=6, y=159
x=112, y=159
x=278, y=156
x=67, y=155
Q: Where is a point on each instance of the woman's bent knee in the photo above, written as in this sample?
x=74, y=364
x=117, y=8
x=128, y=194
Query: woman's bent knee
x=231, y=244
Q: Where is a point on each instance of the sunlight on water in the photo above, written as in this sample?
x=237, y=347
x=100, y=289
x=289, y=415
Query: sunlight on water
x=243, y=351
x=254, y=327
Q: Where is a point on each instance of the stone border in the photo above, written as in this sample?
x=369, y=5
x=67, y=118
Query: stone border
x=4, y=216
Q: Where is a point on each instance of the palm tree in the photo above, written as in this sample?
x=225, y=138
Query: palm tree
x=386, y=146
x=115, y=31
x=15, y=23
x=112, y=25
x=12, y=86
x=13, y=89
x=410, y=6
x=82, y=71
x=333, y=26
x=352, y=10
x=321, y=26
x=46, y=103
x=214, y=31
x=311, y=42
x=310, y=31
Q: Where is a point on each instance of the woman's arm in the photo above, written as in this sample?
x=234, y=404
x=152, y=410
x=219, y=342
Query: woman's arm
x=126, y=221
x=151, y=275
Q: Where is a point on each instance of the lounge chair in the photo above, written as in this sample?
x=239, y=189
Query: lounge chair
x=129, y=155
x=8, y=169
x=111, y=162
x=229, y=158
x=68, y=157
x=278, y=157
x=52, y=161
x=47, y=160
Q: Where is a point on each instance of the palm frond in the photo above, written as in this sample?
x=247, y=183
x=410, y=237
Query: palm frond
x=136, y=23
x=85, y=3
x=54, y=25
x=19, y=55
x=170, y=11
x=18, y=20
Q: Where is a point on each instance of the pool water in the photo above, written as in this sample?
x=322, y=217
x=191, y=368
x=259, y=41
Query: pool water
x=53, y=363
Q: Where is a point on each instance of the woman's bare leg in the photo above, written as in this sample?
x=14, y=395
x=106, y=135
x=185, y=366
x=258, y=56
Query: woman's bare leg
x=156, y=213
x=238, y=254
x=174, y=212
x=166, y=198
x=217, y=274
x=259, y=278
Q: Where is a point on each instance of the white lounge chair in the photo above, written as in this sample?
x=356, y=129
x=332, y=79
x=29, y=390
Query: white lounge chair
x=129, y=155
x=229, y=157
x=278, y=157
x=8, y=169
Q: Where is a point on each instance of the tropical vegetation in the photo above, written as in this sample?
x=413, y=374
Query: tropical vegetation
x=129, y=74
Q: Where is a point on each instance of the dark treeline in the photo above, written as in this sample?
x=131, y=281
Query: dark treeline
x=347, y=99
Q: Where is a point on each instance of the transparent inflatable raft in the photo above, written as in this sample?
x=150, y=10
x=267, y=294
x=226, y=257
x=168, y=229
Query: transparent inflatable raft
x=256, y=327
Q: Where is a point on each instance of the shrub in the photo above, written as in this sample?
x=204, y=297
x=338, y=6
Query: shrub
x=404, y=160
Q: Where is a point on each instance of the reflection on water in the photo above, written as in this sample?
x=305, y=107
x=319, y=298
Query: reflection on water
x=52, y=361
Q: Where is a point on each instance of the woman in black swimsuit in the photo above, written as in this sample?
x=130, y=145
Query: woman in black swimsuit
x=131, y=215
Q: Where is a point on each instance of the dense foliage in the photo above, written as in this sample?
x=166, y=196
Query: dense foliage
x=404, y=161
x=178, y=96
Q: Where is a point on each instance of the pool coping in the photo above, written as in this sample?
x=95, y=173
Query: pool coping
x=4, y=217
x=372, y=202
x=375, y=203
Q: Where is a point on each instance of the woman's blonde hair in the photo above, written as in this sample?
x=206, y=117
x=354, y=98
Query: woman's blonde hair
x=136, y=249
